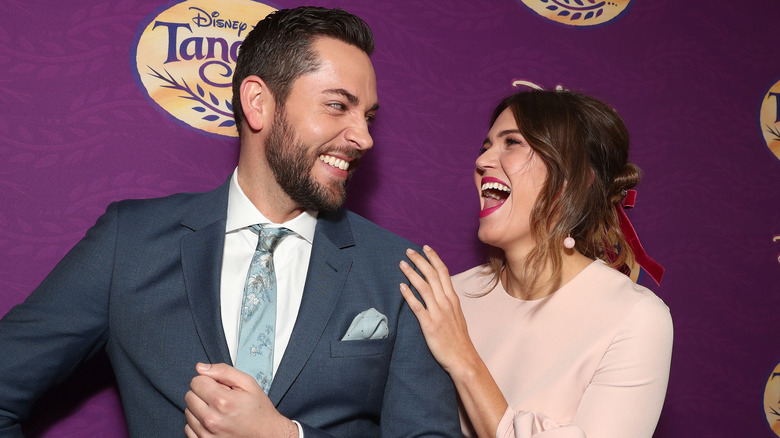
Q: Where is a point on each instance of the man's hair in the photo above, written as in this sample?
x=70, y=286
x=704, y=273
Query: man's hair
x=279, y=49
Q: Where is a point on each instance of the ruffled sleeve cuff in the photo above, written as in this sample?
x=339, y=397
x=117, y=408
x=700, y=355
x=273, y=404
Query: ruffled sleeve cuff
x=527, y=424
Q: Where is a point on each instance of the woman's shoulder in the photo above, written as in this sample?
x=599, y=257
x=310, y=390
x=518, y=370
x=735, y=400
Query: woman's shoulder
x=618, y=291
x=477, y=280
x=603, y=277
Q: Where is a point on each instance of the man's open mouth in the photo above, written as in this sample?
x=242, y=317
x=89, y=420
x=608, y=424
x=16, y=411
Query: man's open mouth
x=334, y=161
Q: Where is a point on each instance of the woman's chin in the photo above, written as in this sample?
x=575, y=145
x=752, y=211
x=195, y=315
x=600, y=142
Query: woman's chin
x=488, y=236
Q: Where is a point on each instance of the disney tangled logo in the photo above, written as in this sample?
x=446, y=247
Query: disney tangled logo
x=184, y=56
x=578, y=12
x=772, y=400
x=769, y=119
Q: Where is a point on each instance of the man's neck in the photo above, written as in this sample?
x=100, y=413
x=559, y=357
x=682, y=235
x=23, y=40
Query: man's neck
x=267, y=196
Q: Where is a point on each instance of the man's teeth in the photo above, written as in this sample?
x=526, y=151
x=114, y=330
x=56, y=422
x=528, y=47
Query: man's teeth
x=494, y=186
x=335, y=162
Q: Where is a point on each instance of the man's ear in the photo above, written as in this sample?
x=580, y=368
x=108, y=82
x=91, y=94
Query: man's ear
x=256, y=102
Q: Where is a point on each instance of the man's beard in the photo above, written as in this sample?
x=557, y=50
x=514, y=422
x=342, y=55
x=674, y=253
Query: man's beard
x=292, y=162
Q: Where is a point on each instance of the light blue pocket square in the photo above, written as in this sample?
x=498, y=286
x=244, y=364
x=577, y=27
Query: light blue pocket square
x=369, y=324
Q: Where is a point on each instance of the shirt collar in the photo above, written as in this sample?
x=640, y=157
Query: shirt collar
x=241, y=213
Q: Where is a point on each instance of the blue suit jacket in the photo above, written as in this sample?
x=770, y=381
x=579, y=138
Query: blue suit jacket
x=144, y=284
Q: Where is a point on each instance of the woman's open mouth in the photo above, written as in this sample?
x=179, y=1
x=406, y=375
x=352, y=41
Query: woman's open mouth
x=494, y=192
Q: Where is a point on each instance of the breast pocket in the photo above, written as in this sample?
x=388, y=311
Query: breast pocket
x=367, y=347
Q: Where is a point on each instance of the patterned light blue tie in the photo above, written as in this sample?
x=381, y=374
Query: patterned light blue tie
x=257, y=328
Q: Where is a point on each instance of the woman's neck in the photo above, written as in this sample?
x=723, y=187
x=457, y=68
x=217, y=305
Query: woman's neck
x=572, y=263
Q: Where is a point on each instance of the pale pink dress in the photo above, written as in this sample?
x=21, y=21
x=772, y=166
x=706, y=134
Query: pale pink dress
x=591, y=360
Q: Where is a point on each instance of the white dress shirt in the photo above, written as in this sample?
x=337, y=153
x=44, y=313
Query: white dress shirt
x=291, y=262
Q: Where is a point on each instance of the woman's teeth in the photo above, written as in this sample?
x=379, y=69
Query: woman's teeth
x=335, y=162
x=489, y=187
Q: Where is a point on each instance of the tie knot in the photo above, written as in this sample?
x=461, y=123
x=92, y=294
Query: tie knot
x=269, y=237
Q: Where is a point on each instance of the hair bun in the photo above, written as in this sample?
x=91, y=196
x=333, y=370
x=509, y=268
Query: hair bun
x=627, y=179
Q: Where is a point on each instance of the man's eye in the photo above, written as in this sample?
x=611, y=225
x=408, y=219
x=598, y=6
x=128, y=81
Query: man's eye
x=337, y=105
x=482, y=150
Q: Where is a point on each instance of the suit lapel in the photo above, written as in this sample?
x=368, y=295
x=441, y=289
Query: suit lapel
x=325, y=279
x=201, y=256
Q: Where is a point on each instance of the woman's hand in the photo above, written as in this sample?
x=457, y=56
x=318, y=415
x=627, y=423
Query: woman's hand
x=441, y=318
x=444, y=327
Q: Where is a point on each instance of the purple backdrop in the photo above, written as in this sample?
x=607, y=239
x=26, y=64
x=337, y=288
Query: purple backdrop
x=688, y=77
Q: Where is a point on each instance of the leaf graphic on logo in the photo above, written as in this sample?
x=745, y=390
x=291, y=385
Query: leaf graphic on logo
x=563, y=13
x=552, y=7
x=774, y=131
x=576, y=16
x=212, y=108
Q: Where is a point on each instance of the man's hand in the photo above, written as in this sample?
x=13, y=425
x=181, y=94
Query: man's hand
x=224, y=401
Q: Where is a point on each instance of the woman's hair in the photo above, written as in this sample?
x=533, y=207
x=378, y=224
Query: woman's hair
x=584, y=145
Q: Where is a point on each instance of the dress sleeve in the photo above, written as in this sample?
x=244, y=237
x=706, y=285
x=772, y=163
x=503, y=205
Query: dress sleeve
x=627, y=392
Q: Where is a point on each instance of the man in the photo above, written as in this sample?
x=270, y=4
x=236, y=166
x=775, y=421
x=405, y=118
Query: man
x=159, y=283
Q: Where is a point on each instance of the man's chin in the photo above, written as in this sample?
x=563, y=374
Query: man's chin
x=325, y=199
x=334, y=201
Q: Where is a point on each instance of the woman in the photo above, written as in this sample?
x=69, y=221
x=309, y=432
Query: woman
x=548, y=339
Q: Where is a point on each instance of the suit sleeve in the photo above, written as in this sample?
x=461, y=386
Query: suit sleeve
x=419, y=397
x=59, y=326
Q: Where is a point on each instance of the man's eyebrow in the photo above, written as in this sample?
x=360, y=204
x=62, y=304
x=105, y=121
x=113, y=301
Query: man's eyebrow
x=351, y=98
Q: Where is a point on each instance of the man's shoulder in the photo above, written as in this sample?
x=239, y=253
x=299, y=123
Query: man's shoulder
x=177, y=204
x=366, y=231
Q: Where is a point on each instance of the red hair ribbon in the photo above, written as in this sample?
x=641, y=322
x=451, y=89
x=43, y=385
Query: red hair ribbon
x=650, y=266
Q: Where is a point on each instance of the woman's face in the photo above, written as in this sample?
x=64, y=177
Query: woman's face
x=509, y=177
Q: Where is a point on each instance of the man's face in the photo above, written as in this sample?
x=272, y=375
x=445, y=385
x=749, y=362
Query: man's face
x=321, y=131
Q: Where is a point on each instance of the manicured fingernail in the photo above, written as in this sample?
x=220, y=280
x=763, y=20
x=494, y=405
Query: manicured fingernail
x=404, y=287
x=203, y=366
x=410, y=251
x=426, y=248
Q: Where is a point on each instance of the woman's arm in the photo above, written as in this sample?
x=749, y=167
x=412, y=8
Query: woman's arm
x=624, y=397
x=447, y=336
x=627, y=391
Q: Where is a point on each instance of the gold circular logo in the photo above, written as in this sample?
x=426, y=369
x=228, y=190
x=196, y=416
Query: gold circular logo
x=772, y=400
x=770, y=119
x=184, y=55
x=581, y=13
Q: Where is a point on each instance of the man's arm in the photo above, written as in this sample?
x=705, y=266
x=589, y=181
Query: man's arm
x=60, y=325
x=419, y=397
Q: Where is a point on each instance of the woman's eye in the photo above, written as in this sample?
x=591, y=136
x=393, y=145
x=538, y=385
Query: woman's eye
x=337, y=105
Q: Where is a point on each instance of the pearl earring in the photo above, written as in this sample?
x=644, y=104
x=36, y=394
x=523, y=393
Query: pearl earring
x=568, y=242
